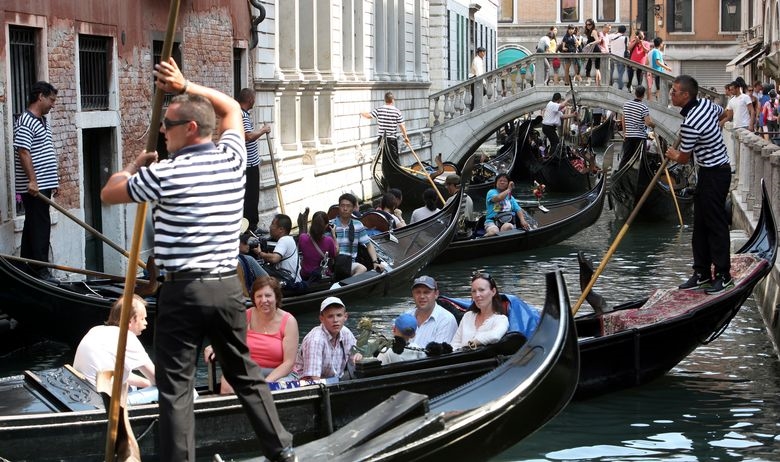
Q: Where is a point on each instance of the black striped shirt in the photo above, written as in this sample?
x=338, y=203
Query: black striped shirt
x=252, y=153
x=634, y=113
x=388, y=118
x=198, y=198
x=34, y=134
x=700, y=133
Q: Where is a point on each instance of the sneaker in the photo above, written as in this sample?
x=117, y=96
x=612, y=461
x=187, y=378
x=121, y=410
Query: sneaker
x=720, y=284
x=696, y=281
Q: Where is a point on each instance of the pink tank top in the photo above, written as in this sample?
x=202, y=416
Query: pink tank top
x=265, y=349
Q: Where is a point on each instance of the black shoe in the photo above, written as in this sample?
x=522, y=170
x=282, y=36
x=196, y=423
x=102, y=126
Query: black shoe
x=696, y=281
x=720, y=284
x=287, y=455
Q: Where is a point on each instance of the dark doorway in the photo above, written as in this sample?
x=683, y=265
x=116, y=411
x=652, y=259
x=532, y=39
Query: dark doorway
x=97, y=154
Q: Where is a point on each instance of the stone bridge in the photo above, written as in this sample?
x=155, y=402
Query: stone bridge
x=506, y=93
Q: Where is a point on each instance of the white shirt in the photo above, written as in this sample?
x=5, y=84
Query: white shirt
x=439, y=327
x=739, y=107
x=469, y=207
x=287, y=249
x=97, y=352
x=477, y=66
x=422, y=213
x=489, y=332
x=552, y=114
x=617, y=44
x=389, y=356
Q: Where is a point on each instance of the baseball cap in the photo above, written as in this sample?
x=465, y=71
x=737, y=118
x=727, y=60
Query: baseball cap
x=426, y=281
x=329, y=302
x=406, y=324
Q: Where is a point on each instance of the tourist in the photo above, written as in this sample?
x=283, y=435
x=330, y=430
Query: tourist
x=434, y=323
x=484, y=323
x=318, y=249
x=198, y=250
x=283, y=262
x=271, y=334
x=349, y=233
x=702, y=140
x=502, y=209
x=431, y=200
x=326, y=350
x=404, y=348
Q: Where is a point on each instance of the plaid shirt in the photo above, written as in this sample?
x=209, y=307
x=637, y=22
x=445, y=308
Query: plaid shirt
x=319, y=357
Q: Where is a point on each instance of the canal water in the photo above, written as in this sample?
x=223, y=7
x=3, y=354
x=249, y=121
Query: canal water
x=719, y=404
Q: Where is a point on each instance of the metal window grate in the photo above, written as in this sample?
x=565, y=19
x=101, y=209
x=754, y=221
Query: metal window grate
x=24, y=73
x=93, y=72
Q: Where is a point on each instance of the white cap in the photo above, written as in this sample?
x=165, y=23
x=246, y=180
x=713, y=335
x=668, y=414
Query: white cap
x=330, y=301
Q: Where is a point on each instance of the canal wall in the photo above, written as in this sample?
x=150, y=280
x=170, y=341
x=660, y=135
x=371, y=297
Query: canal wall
x=753, y=158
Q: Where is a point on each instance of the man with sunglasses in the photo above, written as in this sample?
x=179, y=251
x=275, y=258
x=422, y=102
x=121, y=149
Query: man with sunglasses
x=702, y=139
x=198, y=204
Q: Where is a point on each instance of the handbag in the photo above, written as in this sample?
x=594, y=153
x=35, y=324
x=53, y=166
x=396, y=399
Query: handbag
x=627, y=53
x=323, y=270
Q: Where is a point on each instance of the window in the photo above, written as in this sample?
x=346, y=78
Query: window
x=605, y=10
x=24, y=73
x=506, y=10
x=570, y=11
x=730, y=14
x=238, y=70
x=680, y=16
x=94, y=72
x=157, y=46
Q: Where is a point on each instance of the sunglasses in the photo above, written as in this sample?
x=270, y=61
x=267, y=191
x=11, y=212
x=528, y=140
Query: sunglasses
x=168, y=123
x=480, y=274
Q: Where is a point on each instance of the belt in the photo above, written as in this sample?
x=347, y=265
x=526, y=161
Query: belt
x=179, y=276
x=726, y=166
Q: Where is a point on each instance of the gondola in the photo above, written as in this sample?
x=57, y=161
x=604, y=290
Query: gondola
x=562, y=220
x=640, y=341
x=632, y=178
x=413, y=182
x=67, y=310
x=518, y=384
x=566, y=170
x=602, y=130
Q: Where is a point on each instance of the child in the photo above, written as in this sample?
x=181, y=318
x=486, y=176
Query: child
x=403, y=349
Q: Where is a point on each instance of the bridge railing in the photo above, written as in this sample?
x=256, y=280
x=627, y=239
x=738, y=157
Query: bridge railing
x=491, y=88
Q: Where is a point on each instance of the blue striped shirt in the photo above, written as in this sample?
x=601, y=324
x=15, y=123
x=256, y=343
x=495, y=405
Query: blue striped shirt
x=34, y=135
x=634, y=113
x=700, y=133
x=198, y=197
x=388, y=118
x=252, y=152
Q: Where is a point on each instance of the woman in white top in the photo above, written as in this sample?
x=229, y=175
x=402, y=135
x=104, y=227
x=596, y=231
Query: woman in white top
x=483, y=324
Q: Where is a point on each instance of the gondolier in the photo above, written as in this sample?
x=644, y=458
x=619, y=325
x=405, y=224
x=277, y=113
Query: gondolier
x=702, y=139
x=198, y=206
x=552, y=116
x=389, y=118
x=636, y=119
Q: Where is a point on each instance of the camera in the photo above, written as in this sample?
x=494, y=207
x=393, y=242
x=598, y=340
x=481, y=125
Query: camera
x=253, y=243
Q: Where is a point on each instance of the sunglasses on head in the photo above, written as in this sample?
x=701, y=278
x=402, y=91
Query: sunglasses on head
x=480, y=274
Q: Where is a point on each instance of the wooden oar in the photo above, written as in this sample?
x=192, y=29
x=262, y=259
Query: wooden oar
x=92, y=230
x=620, y=235
x=276, y=173
x=430, y=180
x=135, y=249
x=68, y=269
x=674, y=197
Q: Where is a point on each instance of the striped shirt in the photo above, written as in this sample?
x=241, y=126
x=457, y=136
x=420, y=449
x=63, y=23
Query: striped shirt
x=252, y=152
x=198, y=197
x=634, y=113
x=388, y=118
x=700, y=133
x=34, y=135
x=345, y=246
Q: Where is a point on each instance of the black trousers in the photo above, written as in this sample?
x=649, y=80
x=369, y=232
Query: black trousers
x=36, y=233
x=252, y=196
x=710, y=221
x=188, y=311
x=391, y=146
x=639, y=75
x=551, y=132
x=630, y=145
